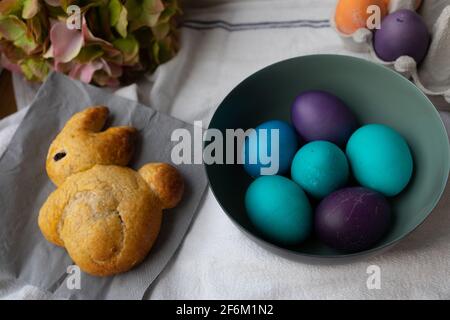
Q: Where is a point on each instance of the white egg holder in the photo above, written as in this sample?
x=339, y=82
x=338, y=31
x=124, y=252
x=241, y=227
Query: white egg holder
x=362, y=41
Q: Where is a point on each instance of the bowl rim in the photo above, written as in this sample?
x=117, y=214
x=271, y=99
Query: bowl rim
x=428, y=209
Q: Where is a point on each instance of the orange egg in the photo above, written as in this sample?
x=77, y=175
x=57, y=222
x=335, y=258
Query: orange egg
x=352, y=15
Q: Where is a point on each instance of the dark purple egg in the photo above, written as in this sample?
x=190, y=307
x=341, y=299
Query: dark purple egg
x=352, y=219
x=402, y=33
x=319, y=115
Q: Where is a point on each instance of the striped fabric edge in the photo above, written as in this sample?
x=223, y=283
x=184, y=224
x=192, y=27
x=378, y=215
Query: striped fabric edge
x=228, y=26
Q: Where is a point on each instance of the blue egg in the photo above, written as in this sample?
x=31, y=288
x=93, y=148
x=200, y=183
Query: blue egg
x=261, y=158
x=380, y=159
x=320, y=168
x=279, y=209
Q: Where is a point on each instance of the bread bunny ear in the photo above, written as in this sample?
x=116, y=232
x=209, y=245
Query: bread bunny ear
x=165, y=181
x=82, y=144
x=90, y=119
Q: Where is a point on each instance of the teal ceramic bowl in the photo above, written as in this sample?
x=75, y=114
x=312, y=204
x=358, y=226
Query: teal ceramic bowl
x=376, y=95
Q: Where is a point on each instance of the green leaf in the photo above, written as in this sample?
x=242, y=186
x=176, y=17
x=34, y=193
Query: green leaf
x=12, y=28
x=39, y=26
x=13, y=53
x=129, y=48
x=144, y=13
x=118, y=17
x=122, y=23
x=10, y=7
x=114, y=11
x=167, y=14
x=163, y=51
x=89, y=53
x=35, y=69
x=15, y=30
x=27, y=44
x=161, y=30
x=30, y=9
x=155, y=52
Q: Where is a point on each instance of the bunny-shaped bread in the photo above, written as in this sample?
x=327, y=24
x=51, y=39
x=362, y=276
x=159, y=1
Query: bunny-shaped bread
x=106, y=216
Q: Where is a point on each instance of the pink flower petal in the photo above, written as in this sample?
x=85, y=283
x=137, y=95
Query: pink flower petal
x=91, y=39
x=49, y=53
x=66, y=43
x=116, y=70
x=7, y=64
x=85, y=72
x=105, y=66
x=112, y=69
x=74, y=72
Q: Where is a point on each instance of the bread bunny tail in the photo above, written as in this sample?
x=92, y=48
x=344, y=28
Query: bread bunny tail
x=165, y=181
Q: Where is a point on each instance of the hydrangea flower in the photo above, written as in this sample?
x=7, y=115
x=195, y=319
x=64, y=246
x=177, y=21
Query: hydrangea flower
x=116, y=40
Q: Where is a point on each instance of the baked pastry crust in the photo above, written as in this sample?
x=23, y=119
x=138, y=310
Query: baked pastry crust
x=165, y=181
x=82, y=144
x=107, y=216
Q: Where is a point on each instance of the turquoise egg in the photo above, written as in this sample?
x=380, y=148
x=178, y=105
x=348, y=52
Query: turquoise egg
x=320, y=168
x=380, y=159
x=279, y=209
x=258, y=144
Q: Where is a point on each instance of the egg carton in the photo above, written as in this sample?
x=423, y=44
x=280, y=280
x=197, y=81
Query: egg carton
x=432, y=76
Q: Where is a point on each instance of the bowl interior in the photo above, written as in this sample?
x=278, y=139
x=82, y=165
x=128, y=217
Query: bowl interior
x=375, y=94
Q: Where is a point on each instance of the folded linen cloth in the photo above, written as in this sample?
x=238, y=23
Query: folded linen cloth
x=24, y=253
x=223, y=42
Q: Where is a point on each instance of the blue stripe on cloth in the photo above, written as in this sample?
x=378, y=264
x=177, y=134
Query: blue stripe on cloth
x=220, y=24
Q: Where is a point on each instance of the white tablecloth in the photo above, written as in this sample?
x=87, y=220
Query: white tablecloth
x=222, y=42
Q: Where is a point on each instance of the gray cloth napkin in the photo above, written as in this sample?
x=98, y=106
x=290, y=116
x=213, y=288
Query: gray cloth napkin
x=24, y=186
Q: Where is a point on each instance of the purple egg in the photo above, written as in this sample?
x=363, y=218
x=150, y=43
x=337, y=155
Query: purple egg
x=402, y=33
x=319, y=115
x=352, y=219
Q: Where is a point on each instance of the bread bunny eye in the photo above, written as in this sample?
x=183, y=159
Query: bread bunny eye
x=59, y=156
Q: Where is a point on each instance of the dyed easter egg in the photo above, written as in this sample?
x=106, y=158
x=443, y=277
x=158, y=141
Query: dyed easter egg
x=319, y=115
x=260, y=157
x=352, y=15
x=402, y=33
x=279, y=209
x=352, y=219
x=380, y=159
x=320, y=168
